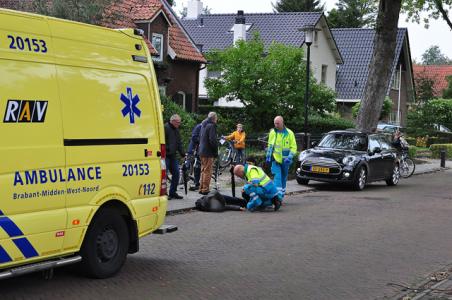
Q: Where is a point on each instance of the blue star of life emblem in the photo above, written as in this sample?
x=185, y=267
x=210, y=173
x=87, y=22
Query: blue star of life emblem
x=130, y=108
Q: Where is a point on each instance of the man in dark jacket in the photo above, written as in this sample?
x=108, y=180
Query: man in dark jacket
x=193, y=149
x=173, y=145
x=208, y=150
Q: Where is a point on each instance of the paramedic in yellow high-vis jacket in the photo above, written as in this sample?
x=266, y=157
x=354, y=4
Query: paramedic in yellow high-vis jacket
x=282, y=148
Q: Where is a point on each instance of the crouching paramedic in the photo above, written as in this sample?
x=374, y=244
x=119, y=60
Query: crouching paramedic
x=281, y=150
x=260, y=191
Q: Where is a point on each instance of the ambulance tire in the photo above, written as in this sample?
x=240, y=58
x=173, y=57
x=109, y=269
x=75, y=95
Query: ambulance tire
x=106, y=244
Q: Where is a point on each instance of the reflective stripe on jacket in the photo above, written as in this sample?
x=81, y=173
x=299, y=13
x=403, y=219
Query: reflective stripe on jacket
x=281, y=144
x=256, y=176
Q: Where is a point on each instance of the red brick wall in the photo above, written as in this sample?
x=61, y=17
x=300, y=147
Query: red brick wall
x=185, y=79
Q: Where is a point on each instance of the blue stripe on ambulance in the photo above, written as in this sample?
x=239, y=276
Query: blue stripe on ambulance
x=4, y=257
x=23, y=243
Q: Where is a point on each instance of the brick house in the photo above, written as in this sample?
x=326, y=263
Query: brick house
x=437, y=73
x=176, y=58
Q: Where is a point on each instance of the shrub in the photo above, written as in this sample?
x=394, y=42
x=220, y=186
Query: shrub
x=188, y=120
x=321, y=124
x=436, y=149
x=412, y=151
x=421, y=141
x=385, y=110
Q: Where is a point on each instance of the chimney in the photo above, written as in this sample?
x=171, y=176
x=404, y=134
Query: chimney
x=239, y=27
x=194, y=9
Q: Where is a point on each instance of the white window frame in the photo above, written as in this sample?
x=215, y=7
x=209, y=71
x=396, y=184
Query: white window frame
x=323, y=79
x=159, y=35
x=396, y=81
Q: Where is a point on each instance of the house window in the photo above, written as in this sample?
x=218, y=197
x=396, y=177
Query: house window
x=316, y=38
x=324, y=70
x=157, y=42
x=396, y=81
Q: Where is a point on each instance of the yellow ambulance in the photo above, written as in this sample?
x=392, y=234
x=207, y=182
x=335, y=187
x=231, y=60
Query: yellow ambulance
x=82, y=171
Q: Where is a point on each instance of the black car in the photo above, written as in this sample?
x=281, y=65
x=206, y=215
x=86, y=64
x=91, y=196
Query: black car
x=350, y=157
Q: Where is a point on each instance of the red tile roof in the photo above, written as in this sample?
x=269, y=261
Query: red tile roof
x=145, y=11
x=436, y=72
x=123, y=13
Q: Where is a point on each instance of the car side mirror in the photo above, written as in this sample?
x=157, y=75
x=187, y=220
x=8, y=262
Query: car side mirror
x=314, y=143
x=375, y=151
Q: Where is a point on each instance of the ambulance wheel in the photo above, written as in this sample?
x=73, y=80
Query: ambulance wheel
x=106, y=243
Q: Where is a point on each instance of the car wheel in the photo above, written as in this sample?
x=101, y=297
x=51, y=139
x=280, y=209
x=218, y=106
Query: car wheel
x=106, y=244
x=302, y=181
x=360, y=180
x=395, y=176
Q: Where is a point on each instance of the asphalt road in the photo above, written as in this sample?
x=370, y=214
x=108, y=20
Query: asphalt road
x=330, y=244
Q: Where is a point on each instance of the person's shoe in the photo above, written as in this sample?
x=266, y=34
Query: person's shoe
x=193, y=188
x=204, y=193
x=175, y=196
x=276, y=203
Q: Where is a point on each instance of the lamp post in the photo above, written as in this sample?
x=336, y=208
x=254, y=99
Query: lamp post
x=308, y=37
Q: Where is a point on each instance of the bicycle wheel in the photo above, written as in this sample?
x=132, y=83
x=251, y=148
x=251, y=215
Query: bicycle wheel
x=224, y=158
x=407, y=168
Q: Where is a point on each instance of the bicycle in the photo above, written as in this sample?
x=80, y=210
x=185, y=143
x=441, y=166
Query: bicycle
x=228, y=155
x=407, y=165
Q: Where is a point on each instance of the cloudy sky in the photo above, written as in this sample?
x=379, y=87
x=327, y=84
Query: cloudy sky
x=420, y=38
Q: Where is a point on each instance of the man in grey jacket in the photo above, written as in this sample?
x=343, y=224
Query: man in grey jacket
x=208, y=150
x=173, y=145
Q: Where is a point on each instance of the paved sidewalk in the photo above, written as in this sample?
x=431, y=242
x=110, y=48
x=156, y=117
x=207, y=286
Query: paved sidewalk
x=174, y=206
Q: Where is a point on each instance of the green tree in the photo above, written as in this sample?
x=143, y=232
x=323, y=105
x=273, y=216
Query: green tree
x=422, y=119
x=353, y=14
x=86, y=11
x=447, y=93
x=298, y=5
x=266, y=82
x=424, y=88
x=423, y=10
x=434, y=56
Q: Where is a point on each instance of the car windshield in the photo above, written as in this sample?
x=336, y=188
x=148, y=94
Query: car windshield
x=345, y=141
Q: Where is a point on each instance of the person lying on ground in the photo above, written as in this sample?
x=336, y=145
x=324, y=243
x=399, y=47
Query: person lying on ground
x=216, y=202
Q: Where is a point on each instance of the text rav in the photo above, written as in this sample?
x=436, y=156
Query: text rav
x=25, y=111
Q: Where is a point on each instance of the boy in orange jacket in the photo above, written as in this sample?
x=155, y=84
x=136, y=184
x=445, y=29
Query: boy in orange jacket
x=238, y=137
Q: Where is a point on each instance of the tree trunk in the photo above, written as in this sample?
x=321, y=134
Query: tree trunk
x=381, y=64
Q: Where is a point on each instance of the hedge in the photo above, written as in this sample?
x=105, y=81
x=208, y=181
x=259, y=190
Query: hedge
x=322, y=124
x=412, y=151
x=436, y=149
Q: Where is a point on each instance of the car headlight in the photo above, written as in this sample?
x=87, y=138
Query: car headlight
x=302, y=156
x=349, y=160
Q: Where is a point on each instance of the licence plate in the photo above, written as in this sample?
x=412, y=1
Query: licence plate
x=317, y=169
